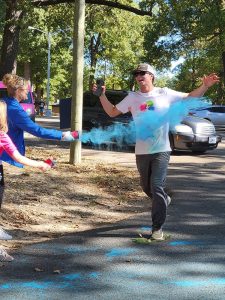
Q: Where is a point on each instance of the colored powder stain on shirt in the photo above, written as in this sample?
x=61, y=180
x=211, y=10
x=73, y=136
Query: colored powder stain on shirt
x=143, y=107
x=150, y=103
x=147, y=105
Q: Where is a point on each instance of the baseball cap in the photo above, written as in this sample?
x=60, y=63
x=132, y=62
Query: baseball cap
x=144, y=67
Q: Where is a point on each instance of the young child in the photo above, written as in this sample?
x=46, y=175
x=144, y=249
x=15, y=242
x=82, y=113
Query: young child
x=7, y=145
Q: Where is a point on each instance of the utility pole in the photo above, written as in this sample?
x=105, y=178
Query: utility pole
x=48, y=70
x=77, y=77
x=48, y=35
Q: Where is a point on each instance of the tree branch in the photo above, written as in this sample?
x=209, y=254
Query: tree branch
x=40, y=3
x=215, y=34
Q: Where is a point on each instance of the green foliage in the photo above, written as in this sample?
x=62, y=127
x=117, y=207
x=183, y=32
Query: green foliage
x=57, y=20
x=121, y=43
x=193, y=29
x=117, y=40
x=120, y=48
x=2, y=18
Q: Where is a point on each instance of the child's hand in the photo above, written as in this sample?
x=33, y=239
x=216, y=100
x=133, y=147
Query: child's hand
x=44, y=166
x=50, y=161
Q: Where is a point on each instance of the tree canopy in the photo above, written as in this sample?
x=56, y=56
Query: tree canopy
x=119, y=34
x=193, y=30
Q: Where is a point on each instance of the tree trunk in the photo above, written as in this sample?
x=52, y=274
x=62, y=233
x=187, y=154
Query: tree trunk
x=78, y=73
x=220, y=90
x=10, y=41
x=94, y=50
x=27, y=71
x=223, y=72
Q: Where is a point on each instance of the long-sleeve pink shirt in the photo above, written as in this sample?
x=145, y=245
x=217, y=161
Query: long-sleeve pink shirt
x=6, y=144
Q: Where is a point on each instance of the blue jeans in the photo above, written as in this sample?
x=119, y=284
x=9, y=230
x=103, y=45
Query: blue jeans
x=153, y=170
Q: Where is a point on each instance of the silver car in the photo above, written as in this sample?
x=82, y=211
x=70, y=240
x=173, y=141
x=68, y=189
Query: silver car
x=195, y=134
x=213, y=113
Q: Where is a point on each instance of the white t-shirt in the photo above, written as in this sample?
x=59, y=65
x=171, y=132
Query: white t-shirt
x=159, y=101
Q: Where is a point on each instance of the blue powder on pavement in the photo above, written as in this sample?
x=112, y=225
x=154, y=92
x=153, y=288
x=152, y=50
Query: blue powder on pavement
x=118, y=252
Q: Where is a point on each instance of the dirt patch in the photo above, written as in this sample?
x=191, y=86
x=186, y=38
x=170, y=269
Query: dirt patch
x=67, y=199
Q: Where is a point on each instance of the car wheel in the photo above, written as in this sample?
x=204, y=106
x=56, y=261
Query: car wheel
x=208, y=120
x=171, y=142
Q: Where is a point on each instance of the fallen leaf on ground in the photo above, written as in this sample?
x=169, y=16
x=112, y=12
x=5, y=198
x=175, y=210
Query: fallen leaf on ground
x=38, y=270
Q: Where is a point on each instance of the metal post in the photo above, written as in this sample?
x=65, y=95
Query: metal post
x=77, y=78
x=48, y=34
x=48, y=70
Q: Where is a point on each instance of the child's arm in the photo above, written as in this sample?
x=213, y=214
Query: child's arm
x=29, y=162
x=7, y=145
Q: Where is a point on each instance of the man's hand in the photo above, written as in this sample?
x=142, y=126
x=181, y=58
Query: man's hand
x=108, y=107
x=95, y=87
x=210, y=80
x=207, y=82
x=70, y=136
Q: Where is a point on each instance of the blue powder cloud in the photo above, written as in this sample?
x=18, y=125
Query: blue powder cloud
x=147, y=123
x=121, y=133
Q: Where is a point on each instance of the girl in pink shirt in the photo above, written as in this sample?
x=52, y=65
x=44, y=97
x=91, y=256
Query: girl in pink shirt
x=7, y=145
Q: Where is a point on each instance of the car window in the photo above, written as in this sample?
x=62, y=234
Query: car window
x=114, y=97
x=90, y=100
x=217, y=109
x=29, y=99
x=3, y=93
x=222, y=109
x=201, y=109
x=93, y=112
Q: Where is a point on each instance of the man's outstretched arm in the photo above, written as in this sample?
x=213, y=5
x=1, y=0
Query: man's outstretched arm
x=207, y=82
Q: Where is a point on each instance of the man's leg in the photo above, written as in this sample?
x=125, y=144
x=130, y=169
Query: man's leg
x=160, y=198
x=144, y=168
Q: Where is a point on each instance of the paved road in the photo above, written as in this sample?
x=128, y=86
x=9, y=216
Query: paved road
x=106, y=264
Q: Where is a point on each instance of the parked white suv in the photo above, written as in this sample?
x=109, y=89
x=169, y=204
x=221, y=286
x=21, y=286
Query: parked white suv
x=195, y=134
x=213, y=113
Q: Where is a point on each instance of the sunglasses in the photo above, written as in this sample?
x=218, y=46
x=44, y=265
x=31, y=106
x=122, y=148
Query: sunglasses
x=142, y=73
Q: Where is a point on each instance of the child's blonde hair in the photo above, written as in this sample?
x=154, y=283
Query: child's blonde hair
x=14, y=82
x=3, y=116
